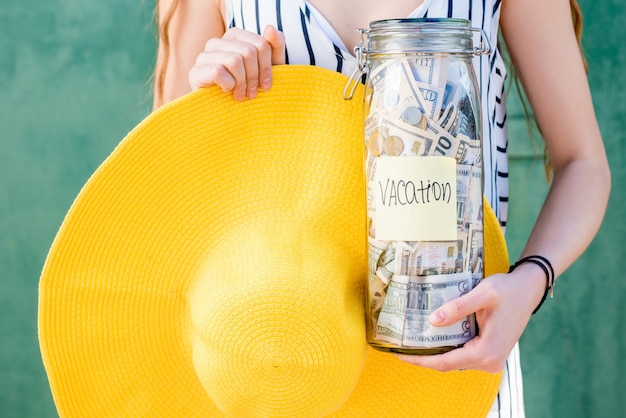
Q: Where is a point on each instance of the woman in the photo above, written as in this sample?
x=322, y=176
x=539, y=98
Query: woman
x=234, y=43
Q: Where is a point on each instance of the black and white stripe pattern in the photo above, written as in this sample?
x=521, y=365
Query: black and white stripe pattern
x=510, y=400
x=311, y=40
x=306, y=41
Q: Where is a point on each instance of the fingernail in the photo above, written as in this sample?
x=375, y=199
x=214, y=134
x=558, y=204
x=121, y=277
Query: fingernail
x=266, y=83
x=437, y=317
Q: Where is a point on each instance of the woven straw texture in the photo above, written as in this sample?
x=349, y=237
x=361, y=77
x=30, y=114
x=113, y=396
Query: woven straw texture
x=214, y=266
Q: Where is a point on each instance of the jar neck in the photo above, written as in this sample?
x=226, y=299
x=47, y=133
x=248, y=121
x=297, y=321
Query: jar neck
x=419, y=36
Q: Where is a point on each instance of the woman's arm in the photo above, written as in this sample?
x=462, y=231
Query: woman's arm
x=545, y=53
x=201, y=52
x=544, y=49
x=191, y=25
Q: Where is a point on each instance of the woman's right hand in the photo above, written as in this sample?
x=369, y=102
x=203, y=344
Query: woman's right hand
x=240, y=61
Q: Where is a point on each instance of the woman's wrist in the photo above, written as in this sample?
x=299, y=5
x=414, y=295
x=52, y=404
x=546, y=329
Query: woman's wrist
x=533, y=284
x=538, y=280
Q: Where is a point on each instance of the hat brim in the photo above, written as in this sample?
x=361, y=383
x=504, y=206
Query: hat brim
x=186, y=184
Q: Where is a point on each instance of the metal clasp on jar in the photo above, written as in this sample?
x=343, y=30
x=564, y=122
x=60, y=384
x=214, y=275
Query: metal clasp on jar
x=362, y=67
x=484, y=46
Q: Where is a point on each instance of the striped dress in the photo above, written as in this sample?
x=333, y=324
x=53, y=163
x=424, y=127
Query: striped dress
x=310, y=39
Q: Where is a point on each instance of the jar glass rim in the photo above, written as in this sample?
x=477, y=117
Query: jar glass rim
x=457, y=23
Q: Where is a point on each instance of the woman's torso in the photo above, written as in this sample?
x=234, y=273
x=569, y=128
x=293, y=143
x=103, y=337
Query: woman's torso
x=312, y=39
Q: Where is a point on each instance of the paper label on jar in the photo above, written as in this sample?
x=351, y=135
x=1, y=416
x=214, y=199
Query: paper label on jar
x=415, y=198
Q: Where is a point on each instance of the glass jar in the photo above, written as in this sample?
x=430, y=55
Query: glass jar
x=423, y=167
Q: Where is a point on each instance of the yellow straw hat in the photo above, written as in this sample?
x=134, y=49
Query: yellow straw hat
x=214, y=266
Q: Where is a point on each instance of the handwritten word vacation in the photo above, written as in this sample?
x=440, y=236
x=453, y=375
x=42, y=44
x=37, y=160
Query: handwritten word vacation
x=399, y=192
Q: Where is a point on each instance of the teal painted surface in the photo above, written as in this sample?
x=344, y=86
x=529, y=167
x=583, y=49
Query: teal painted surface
x=573, y=349
x=73, y=82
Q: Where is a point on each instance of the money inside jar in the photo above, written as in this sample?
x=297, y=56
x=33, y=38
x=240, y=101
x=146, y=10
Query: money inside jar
x=424, y=185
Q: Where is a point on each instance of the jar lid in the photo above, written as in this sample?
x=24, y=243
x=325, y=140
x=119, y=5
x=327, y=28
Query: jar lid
x=425, y=35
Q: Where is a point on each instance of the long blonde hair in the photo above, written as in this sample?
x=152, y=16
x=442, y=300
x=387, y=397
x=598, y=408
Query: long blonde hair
x=163, y=25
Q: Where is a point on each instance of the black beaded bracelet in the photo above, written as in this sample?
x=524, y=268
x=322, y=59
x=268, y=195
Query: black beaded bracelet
x=546, y=266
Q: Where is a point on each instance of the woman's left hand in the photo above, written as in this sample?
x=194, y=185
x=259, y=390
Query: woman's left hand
x=503, y=304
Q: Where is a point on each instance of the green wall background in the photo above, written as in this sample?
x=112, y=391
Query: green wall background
x=74, y=80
